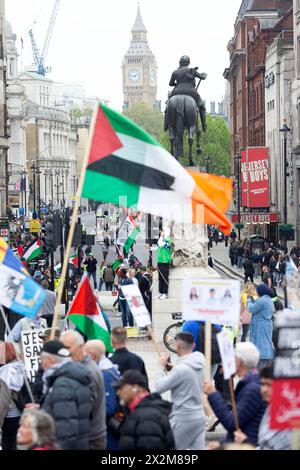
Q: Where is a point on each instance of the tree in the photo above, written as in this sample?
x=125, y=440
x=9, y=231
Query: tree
x=81, y=114
x=215, y=142
x=150, y=119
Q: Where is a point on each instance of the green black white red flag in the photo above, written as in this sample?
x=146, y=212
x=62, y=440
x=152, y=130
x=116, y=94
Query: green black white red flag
x=86, y=314
x=127, y=167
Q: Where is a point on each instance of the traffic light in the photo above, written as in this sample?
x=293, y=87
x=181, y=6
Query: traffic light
x=78, y=235
x=53, y=237
x=83, y=239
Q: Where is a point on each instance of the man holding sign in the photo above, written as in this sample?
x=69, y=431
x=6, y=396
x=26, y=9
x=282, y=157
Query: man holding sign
x=185, y=381
x=250, y=405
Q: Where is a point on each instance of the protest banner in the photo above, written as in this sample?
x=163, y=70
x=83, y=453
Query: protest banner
x=213, y=300
x=229, y=366
x=31, y=345
x=293, y=286
x=137, y=306
x=34, y=226
x=285, y=404
x=285, y=401
x=227, y=354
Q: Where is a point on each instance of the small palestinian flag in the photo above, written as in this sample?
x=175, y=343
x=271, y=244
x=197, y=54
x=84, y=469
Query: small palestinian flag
x=119, y=260
x=73, y=261
x=33, y=252
x=127, y=167
x=85, y=313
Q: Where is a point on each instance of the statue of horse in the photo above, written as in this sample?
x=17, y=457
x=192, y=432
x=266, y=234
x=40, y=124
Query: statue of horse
x=182, y=113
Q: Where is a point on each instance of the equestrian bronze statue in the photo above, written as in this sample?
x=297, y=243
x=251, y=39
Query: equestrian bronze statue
x=184, y=107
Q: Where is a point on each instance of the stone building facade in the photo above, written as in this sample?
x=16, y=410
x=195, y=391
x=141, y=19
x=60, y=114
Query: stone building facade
x=258, y=24
x=4, y=130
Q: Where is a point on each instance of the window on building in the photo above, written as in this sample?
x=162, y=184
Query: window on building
x=12, y=67
x=298, y=57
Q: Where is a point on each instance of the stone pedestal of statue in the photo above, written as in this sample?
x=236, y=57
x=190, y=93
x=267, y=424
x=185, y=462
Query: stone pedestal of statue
x=189, y=262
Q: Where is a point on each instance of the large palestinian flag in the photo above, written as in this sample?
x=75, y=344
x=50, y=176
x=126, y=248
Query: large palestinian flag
x=86, y=314
x=129, y=168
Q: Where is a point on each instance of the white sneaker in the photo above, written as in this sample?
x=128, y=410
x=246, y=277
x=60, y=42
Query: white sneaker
x=157, y=296
x=212, y=423
x=163, y=297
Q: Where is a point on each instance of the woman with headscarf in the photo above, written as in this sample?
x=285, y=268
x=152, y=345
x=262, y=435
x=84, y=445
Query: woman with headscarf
x=261, y=326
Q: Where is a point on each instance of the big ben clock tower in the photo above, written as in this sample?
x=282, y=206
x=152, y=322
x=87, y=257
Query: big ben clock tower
x=139, y=68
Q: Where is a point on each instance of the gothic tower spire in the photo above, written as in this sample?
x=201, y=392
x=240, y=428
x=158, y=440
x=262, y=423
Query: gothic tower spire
x=139, y=67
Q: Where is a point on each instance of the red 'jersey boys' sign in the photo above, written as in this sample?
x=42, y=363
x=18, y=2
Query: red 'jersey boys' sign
x=255, y=177
x=285, y=404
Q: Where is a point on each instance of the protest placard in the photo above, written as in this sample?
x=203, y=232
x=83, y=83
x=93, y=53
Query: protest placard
x=31, y=346
x=137, y=306
x=293, y=286
x=227, y=354
x=213, y=300
x=285, y=401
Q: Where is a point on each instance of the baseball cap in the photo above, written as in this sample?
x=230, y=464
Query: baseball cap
x=56, y=348
x=46, y=333
x=132, y=377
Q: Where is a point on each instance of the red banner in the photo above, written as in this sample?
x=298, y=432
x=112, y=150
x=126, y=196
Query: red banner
x=285, y=404
x=255, y=177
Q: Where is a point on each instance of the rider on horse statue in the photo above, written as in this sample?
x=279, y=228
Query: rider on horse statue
x=184, y=81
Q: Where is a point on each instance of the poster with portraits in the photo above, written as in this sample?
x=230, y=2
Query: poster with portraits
x=137, y=305
x=214, y=300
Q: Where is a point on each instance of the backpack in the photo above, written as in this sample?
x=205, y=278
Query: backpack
x=200, y=345
x=112, y=404
x=21, y=398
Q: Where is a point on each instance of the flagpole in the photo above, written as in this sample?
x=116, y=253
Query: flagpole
x=73, y=224
x=17, y=355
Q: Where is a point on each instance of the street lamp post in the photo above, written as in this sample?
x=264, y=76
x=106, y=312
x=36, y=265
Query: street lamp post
x=285, y=130
x=74, y=185
x=24, y=189
x=33, y=168
x=57, y=173
x=39, y=192
x=8, y=175
x=238, y=158
x=36, y=171
x=50, y=173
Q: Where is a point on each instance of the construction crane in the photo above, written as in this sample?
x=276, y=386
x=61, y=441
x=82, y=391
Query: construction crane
x=40, y=57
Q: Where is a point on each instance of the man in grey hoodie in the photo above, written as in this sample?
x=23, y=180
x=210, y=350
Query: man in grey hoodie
x=185, y=381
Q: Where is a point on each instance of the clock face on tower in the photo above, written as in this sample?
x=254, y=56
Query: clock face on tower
x=134, y=75
x=152, y=75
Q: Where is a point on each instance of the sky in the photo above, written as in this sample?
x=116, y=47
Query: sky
x=91, y=37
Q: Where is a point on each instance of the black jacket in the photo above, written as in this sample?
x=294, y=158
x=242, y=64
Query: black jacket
x=127, y=360
x=91, y=265
x=248, y=266
x=145, y=284
x=148, y=426
x=68, y=401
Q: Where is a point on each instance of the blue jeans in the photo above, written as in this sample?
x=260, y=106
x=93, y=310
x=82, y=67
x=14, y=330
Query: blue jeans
x=93, y=275
x=101, y=282
x=126, y=314
x=246, y=329
x=240, y=260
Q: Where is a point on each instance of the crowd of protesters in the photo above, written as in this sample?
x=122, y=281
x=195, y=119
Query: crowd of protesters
x=86, y=399
x=91, y=401
x=257, y=263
